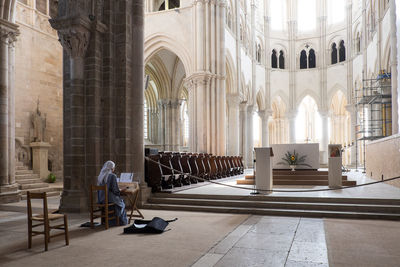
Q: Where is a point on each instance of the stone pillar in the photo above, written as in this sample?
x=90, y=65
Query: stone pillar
x=8, y=188
x=265, y=115
x=75, y=40
x=243, y=132
x=323, y=147
x=291, y=116
x=250, y=138
x=394, y=45
x=233, y=125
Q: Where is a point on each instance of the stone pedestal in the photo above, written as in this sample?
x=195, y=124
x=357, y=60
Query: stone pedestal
x=263, y=171
x=40, y=156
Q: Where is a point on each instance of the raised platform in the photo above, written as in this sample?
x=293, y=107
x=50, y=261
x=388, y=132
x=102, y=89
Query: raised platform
x=297, y=177
x=355, y=208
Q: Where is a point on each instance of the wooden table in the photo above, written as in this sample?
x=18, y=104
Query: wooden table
x=132, y=194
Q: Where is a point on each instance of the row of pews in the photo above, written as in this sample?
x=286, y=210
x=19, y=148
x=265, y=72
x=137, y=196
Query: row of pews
x=182, y=165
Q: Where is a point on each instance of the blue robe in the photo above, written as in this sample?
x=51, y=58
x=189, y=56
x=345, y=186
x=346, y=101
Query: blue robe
x=114, y=196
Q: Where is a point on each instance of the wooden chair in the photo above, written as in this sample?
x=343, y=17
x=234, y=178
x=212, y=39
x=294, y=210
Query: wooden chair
x=44, y=220
x=103, y=208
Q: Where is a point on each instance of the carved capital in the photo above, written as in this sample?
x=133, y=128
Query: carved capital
x=74, y=34
x=75, y=42
x=200, y=78
x=8, y=32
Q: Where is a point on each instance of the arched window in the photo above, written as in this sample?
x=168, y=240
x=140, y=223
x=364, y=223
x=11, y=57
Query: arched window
x=311, y=59
x=334, y=54
x=358, y=43
x=303, y=59
x=274, y=60
x=145, y=120
x=281, y=60
x=185, y=119
x=258, y=53
x=169, y=4
x=342, y=51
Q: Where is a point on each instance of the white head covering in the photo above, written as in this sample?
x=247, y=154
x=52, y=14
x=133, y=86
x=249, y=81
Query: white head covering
x=105, y=171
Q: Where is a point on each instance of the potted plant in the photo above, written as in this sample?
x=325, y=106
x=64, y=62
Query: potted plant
x=51, y=178
x=293, y=159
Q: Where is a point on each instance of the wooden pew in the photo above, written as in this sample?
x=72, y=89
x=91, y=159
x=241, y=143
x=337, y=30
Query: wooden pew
x=168, y=175
x=187, y=169
x=176, y=165
x=154, y=174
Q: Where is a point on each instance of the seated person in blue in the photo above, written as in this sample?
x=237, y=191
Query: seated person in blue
x=107, y=176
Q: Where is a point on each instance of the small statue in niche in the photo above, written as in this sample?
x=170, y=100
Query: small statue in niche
x=39, y=125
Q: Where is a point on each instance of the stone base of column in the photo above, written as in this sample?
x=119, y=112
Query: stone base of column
x=74, y=202
x=9, y=194
x=145, y=193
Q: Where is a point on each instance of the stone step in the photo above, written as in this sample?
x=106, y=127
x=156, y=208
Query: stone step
x=277, y=212
x=22, y=172
x=20, y=168
x=29, y=181
x=41, y=190
x=394, y=209
x=48, y=194
x=33, y=186
x=301, y=172
x=346, y=200
x=26, y=176
x=18, y=163
x=297, y=182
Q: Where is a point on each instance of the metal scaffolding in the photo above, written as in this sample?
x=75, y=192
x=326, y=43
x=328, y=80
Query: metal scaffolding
x=373, y=111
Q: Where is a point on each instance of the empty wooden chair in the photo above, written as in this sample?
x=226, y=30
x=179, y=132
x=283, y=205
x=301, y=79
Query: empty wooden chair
x=101, y=210
x=44, y=220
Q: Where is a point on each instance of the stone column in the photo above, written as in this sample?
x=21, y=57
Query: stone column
x=8, y=188
x=243, y=132
x=394, y=45
x=291, y=116
x=233, y=125
x=323, y=147
x=353, y=123
x=137, y=79
x=265, y=115
x=74, y=36
x=250, y=139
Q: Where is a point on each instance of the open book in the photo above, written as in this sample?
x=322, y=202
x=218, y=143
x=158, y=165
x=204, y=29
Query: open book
x=126, y=177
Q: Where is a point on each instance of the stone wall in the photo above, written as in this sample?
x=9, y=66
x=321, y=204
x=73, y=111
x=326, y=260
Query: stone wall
x=383, y=159
x=38, y=65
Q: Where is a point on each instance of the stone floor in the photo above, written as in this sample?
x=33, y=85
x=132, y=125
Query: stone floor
x=205, y=239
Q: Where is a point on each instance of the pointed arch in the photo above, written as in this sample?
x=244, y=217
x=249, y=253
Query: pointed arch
x=334, y=56
x=342, y=51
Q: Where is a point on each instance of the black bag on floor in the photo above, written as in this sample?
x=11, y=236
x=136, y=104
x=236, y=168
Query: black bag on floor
x=155, y=226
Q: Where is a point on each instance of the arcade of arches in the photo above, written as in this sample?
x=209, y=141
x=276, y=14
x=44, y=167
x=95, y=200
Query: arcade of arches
x=219, y=77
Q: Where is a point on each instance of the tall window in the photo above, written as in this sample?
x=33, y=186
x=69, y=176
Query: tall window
x=278, y=15
x=311, y=59
x=185, y=120
x=274, y=60
x=342, y=52
x=303, y=59
x=281, y=60
x=41, y=6
x=145, y=120
x=258, y=53
x=336, y=11
x=334, y=54
x=307, y=14
x=358, y=42
x=308, y=122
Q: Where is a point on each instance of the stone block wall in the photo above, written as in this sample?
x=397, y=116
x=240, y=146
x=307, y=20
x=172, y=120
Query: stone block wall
x=38, y=65
x=383, y=159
